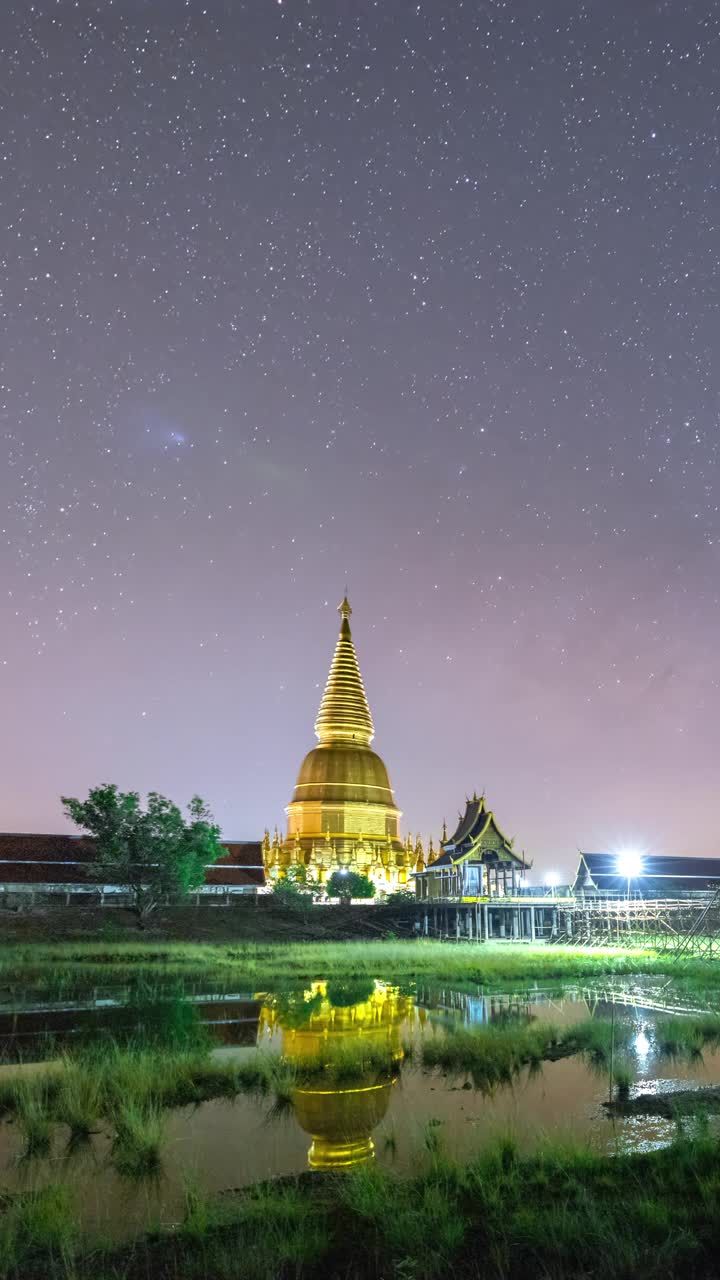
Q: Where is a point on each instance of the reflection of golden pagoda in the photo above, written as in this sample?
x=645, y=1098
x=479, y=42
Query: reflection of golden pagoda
x=340, y=1118
x=343, y=814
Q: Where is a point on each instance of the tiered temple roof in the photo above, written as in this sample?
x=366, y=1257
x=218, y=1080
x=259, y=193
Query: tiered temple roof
x=476, y=832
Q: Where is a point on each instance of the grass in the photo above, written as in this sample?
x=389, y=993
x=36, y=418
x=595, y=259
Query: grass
x=623, y=1078
x=33, y=1117
x=560, y=1214
x=126, y=1087
x=79, y=1103
x=502, y=1216
x=96, y=1085
x=677, y=1037
x=91, y=1088
x=259, y=964
x=139, y=1132
x=493, y=1055
x=38, y=1234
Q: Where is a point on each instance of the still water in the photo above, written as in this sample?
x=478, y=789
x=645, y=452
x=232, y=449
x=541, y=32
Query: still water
x=224, y=1145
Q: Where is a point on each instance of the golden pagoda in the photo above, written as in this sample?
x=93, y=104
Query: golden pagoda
x=340, y=1118
x=343, y=815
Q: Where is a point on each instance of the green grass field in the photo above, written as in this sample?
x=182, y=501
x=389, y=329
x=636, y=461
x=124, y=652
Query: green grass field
x=564, y=1214
x=259, y=964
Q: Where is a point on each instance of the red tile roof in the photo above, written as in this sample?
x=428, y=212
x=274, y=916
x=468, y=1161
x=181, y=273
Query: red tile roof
x=26, y=858
x=25, y=846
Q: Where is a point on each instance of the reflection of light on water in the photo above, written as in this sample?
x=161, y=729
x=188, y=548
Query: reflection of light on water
x=642, y=1046
x=329, y=1018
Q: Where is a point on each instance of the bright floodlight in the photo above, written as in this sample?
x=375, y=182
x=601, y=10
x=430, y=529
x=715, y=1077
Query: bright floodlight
x=629, y=864
x=552, y=879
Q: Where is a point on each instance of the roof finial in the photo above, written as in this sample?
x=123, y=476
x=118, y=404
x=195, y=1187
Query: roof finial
x=344, y=609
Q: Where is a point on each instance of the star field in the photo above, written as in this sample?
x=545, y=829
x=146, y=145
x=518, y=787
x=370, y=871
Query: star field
x=423, y=297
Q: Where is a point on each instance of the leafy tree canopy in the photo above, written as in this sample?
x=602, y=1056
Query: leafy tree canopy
x=400, y=895
x=349, y=884
x=153, y=852
x=297, y=889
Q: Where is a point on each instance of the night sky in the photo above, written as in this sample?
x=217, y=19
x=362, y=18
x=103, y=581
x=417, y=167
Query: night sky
x=421, y=297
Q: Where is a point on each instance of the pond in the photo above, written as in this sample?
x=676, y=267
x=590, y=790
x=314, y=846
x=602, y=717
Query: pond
x=225, y=1144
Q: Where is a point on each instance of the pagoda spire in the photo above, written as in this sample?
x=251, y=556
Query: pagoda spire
x=344, y=714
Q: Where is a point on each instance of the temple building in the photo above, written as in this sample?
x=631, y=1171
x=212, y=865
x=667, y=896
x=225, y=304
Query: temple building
x=343, y=815
x=477, y=861
x=655, y=876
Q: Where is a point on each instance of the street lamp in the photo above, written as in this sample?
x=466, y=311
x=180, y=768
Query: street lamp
x=629, y=866
x=552, y=880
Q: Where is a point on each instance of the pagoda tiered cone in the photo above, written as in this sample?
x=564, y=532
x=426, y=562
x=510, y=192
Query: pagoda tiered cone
x=343, y=815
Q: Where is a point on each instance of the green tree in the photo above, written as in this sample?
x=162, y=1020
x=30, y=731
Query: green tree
x=297, y=890
x=400, y=895
x=153, y=852
x=349, y=884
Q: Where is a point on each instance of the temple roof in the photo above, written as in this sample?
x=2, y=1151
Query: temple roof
x=475, y=824
x=472, y=822
x=36, y=858
x=658, y=872
x=344, y=714
x=472, y=825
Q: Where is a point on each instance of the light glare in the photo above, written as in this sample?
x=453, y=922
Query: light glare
x=629, y=864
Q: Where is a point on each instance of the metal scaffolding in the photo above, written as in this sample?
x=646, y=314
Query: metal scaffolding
x=688, y=925
x=684, y=926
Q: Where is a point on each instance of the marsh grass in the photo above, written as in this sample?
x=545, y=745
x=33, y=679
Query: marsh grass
x=33, y=1119
x=87, y=1090
x=38, y=1233
x=202, y=1213
x=493, y=1055
x=79, y=1103
x=489, y=1056
x=687, y=1037
x=623, y=1077
x=125, y=1088
x=563, y=1212
x=597, y=1039
x=352, y=1061
x=139, y=1132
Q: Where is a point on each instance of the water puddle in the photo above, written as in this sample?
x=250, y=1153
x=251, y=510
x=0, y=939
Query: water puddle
x=222, y=1145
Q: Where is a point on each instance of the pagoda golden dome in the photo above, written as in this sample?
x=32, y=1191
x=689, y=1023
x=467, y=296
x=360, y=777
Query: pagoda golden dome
x=343, y=814
x=355, y=773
